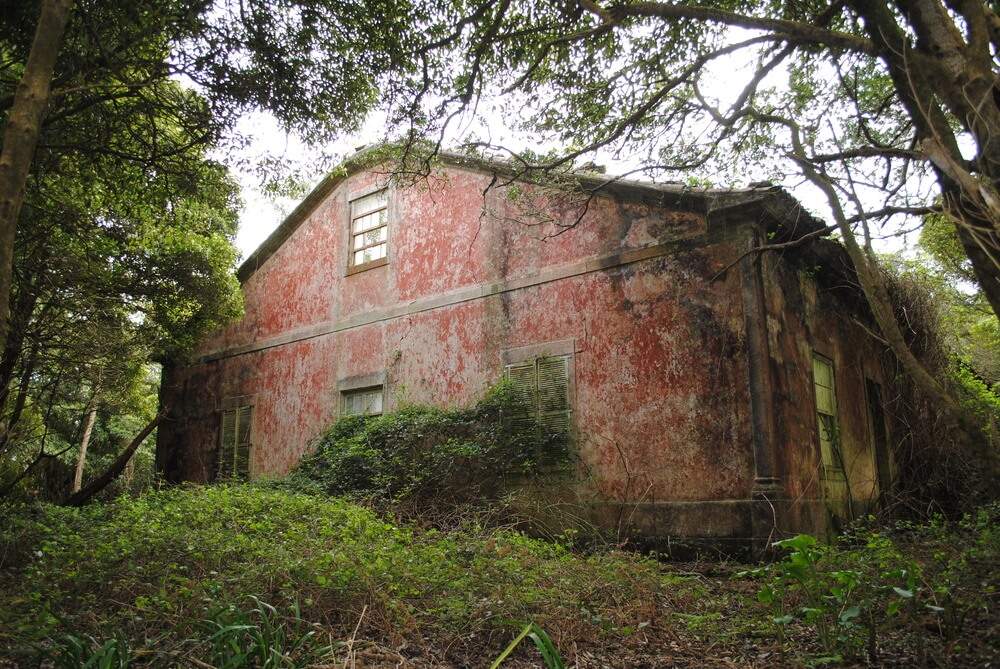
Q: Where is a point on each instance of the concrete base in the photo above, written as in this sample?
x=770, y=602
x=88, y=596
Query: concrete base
x=741, y=529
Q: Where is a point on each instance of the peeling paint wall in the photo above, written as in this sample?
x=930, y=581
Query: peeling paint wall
x=660, y=395
x=814, y=310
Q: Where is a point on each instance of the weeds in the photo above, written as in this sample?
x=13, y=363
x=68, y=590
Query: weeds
x=172, y=569
x=261, y=638
x=550, y=654
x=163, y=580
x=863, y=588
x=75, y=652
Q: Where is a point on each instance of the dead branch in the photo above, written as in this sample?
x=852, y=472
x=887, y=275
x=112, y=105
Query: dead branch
x=82, y=496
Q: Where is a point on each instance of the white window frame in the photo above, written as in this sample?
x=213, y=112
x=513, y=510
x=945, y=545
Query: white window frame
x=347, y=395
x=374, y=202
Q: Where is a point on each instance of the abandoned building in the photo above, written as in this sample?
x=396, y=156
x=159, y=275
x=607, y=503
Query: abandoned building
x=712, y=392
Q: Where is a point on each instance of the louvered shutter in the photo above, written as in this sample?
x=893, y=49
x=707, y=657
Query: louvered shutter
x=523, y=380
x=553, y=394
x=227, y=444
x=241, y=468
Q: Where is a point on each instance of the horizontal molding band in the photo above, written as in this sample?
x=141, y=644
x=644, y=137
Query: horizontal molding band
x=458, y=296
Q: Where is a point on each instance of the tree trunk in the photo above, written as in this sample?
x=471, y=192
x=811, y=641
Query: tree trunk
x=128, y=474
x=877, y=295
x=20, y=136
x=81, y=458
x=81, y=497
x=963, y=80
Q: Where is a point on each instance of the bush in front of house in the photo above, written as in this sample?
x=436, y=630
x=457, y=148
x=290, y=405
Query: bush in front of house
x=423, y=454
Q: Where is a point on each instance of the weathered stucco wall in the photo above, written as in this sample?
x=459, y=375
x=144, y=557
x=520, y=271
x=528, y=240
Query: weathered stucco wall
x=813, y=308
x=659, y=370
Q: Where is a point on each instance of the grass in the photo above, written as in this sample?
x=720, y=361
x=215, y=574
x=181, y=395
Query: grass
x=248, y=575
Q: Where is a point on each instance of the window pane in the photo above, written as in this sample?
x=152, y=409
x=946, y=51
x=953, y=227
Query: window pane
x=371, y=237
x=824, y=400
x=369, y=221
x=368, y=203
x=826, y=439
x=822, y=372
x=363, y=402
x=373, y=402
x=826, y=410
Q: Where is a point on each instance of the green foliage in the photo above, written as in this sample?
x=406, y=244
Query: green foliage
x=261, y=638
x=162, y=570
x=86, y=653
x=124, y=251
x=548, y=650
x=864, y=587
x=969, y=325
x=935, y=471
x=231, y=638
x=423, y=454
x=246, y=575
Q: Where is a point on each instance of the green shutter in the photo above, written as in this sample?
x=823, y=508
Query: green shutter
x=541, y=386
x=227, y=444
x=553, y=394
x=234, y=443
x=241, y=468
x=522, y=378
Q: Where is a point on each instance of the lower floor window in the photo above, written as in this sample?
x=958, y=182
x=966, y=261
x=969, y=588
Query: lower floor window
x=234, y=443
x=541, y=386
x=826, y=412
x=363, y=402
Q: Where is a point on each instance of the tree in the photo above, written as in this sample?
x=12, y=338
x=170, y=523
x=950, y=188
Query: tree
x=123, y=251
x=21, y=134
x=971, y=329
x=867, y=101
x=117, y=265
x=312, y=64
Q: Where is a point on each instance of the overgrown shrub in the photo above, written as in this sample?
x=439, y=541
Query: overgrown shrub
x=421, y=455
x=936, y=471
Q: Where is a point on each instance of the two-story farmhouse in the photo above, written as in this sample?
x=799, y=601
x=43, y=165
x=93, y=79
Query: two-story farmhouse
x=712, y=393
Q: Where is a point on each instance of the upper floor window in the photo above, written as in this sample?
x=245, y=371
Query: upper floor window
x=369, y=230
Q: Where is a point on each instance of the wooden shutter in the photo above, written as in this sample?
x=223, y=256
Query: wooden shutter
x=523, y=380
x=227, y=444
x=553, y=394
x=241, y=466
x=541, y=386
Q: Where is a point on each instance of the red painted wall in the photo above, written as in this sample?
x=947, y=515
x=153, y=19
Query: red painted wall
x=660, y=395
